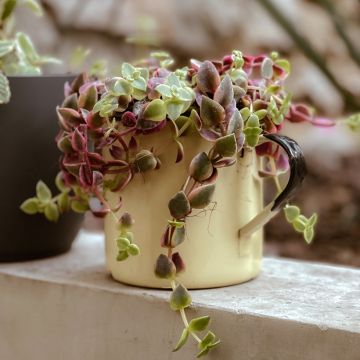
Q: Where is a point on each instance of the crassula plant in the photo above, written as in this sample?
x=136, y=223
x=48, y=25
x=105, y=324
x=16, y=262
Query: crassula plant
x=233, y=104
x=18, y=55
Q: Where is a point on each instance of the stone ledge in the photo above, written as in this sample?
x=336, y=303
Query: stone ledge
x=68, y=307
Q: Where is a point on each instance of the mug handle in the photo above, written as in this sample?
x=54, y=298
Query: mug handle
x=297, y=174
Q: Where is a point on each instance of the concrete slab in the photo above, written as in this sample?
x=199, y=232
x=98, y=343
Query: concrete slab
x=68, y=307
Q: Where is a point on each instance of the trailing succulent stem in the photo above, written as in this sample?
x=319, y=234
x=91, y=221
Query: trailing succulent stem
x=236, y=104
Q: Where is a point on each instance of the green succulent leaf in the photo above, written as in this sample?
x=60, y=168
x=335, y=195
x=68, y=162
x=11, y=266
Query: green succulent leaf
x=51, y=212
x=122, y=255
x=284, y=64
x=208, y=342
x=199, y=324
x=164, y=90
x=139, y=84
x=267, y=68
x=174, y=108
x=201, y=167
x=79, y=206
x=211, y=112
x=122, y=243
x=6, y=46
x=179, y=205
x=28, y=48
x=182, y=341
x=30, y=206
x=224, y=94
x=145, y=161
x=8, y=9
x=180, y=298
x=309, y=234
x=155, y=110
x=291, y=213
x=226, y=145
x=299, y=224
x=4, y=89
x=88, y=98
x=133, y=250
x=164, y=267
x=127, y=70
x=353, y=122
x=252, y=135
x=34, y=6
x=64, y=202
x=43, y=192
x=201, y=196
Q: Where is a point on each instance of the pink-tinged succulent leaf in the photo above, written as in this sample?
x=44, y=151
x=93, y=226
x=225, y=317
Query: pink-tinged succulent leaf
x=98, y=178
x=69, y=118
x=78, y=82
x=180, y=151
x=179, y=262
x=209, y=134
x=229, y=111
x=195, y=64
x=117, y=207
x=299, y=113
x=177, y=237
x=117, y=152
x=266, y=173
x=323, y=122
x=133, y=144
x=211, y=112
x=224, y=94
x=212, y=179
x=164, y=268
x=88, y=98
x=85, y=176
x=95, y=159
x=226, y=145
x=128, y=119
x=64, y=144
x=208, y=78
x=195, y=118
x=200, y=167
x=240, y=141
x=236, y=123
x=224, y=162
x=166, y=237
x=116, y=167
x=201, y=196
x=97, y=208
x=72, y=163
x=120, y=181
x=78, y=141
x=95, y=121
x=282, y=163
x=71, y=102
x=265, y=148
x=179, y=205
x=147, y=126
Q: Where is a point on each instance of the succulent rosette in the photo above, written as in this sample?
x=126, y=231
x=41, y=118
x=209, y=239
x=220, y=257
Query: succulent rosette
x=235, y=103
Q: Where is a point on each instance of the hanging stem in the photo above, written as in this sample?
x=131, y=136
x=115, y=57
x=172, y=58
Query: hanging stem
x=184, y=318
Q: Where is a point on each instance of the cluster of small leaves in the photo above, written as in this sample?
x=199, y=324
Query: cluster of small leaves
x=353, y=122
x=301, y=223
x=18, y=55
x=125, y=240
x=229, y=103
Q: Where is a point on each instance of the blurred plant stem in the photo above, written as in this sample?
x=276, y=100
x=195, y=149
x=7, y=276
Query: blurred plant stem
x=351, y=102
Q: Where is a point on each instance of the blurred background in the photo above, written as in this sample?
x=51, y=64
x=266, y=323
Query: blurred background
x=321, y=38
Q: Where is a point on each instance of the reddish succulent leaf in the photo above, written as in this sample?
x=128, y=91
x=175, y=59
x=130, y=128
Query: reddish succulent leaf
x=128, y=119
x=88, y=98
x=180, y=151
x=201, y=196
x=179, y=262
x=208, y=78
x=225, y=162
x=212, y=179
x=166, y=237
x=121, y=181
x=97, y=208
x=209, y=134
x=71, y=102
x=68, y=118
x=64, y=144
x=194, y=116
x=179, y=205
x=78, y=141
x=98, y=177
x=96, y=160
x=79, y=81
x=211, y=112
x=117, y=152
x=85, y=176
x=224, y=94
x=116, y=167
x=133, y=145
x=95, y=121
x=200, y=167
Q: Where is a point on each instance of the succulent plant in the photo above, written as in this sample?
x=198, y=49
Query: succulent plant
x=18, y=55
x=236, y=103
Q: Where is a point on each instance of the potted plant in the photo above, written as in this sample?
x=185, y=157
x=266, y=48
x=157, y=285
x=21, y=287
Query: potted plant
x=183, y=153
x=27, y=111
